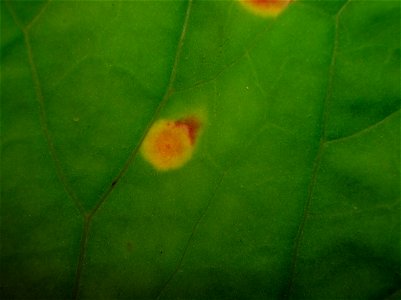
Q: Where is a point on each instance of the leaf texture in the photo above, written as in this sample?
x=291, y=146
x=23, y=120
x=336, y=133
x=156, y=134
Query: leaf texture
x=293, y=190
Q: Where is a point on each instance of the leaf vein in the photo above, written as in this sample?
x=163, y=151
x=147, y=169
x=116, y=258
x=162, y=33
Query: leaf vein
x=224, y=174
x=166, y=97
x=43, y=116
x=236, y=61
x=319, y=155
x=132, y=156
x=36, y=18
x=365, y=130
x=191, y=237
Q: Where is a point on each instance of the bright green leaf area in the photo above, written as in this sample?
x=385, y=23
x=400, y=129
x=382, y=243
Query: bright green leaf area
x=293, y=191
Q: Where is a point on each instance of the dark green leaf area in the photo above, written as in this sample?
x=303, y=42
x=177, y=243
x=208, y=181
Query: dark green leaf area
x=357, y=193
x=367, y=77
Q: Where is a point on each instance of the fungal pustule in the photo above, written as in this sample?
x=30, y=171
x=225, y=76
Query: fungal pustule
x=267, y=8
x=169, y=144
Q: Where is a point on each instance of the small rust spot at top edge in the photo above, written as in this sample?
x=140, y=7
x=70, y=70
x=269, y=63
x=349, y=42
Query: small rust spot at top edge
x=266, y=8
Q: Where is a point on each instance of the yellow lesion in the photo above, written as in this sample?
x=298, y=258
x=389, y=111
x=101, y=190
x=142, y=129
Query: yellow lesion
x=167, y=146
x=266, y=8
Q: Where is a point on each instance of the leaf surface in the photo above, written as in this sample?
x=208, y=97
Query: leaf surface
x=293, y=190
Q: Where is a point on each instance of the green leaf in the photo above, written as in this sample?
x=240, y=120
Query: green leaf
x=293, y=190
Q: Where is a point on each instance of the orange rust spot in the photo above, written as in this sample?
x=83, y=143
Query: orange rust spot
x=267, y=8
x=169, y=144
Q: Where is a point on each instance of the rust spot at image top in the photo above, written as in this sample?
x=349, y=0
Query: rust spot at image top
x=267, y=8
